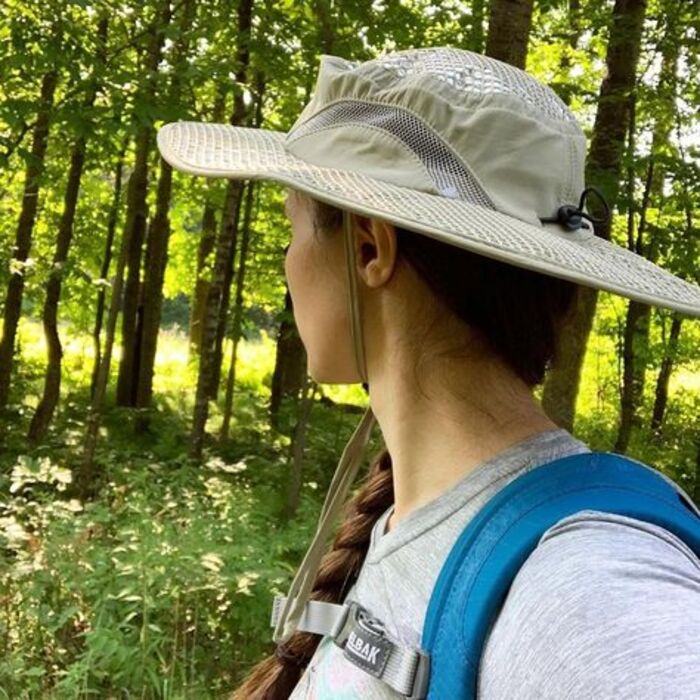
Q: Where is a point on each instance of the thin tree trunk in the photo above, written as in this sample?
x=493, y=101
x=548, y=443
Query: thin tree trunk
x=238, y=311
x=106, y=262
x=137, y=214
x=158, y=237
x=476, y=26
x=229, y=239
x=52, y=381
x=296, y=449
x=85, y=478
x=509, y=30
x=25, y=229
x=635, y=336
x=638, y=316
x=565, y=89
x=665, y=371
x=240, y=277
x=207, y=242
x=604, y=166
x=199, y=300
x=290, y=363
x=225, y=246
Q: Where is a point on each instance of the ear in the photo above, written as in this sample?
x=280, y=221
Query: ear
x=375, y=249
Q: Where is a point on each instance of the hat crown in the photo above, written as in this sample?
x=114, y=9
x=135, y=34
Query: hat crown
x=449, y=122
x=473, y=74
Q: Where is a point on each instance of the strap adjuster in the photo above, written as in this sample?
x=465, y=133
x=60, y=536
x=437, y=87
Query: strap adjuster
x=366, y=644
x=421, y=677
x=345, y=622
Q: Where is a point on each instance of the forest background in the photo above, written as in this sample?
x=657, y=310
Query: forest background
x=163, y=453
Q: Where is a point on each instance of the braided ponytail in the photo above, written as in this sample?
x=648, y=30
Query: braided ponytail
x=275, y=677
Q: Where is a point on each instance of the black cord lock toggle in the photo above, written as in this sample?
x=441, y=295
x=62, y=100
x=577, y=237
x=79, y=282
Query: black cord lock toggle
x=571, y=217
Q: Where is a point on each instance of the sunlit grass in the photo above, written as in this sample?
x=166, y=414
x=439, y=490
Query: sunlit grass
x=176, y=372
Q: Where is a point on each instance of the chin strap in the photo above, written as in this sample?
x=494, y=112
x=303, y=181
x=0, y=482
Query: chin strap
x=289, y=616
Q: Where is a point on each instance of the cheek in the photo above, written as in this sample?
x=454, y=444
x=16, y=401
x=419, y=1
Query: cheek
x=320, y=313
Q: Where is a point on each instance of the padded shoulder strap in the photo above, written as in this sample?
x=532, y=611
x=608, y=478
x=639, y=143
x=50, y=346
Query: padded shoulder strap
x=480, y=568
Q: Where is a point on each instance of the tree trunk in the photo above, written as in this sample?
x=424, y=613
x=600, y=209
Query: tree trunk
x=296, y=449
x=158, y=237
x=238, y=310
x=225, y=247
x=638, y=317
x=228, y=241
x=85, y=477
x=199, y=300
x=604, y=166
x=240, y=277
x=661, y=400
x=476, y=27
x=290, y=363
x=228, y=279
x=52, y=381
x=23, y=237
x=106, y=262
x=565, y=89
x=137, y=214
x=207, y=242
x=635, y=342
x=509, y=30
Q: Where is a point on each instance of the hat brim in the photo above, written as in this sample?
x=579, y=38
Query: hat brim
x=222, y=150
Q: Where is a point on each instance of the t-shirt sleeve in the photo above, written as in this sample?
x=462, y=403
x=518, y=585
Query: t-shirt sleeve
x=605, y=607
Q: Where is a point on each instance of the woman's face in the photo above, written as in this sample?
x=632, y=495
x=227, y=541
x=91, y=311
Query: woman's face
x=317, y=280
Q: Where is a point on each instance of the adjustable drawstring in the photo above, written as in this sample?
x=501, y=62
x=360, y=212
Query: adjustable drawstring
x=571, y=217
x=345, y=472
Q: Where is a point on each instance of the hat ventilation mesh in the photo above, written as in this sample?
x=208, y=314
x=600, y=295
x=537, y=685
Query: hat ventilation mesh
x=478, y=75
x=450, y=175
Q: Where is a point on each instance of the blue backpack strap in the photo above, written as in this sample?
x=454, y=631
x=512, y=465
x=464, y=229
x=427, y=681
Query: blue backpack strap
x=474, y=581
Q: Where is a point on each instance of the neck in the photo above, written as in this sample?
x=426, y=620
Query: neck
x=435, y=440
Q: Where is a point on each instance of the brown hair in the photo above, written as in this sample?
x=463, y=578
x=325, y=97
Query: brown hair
x=519, y=313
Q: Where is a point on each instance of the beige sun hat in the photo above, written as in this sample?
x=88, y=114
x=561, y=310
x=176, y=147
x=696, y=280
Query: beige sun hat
x=461, y=147
x=446, y=142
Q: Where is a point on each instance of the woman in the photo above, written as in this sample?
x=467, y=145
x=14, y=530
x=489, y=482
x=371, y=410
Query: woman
x=439, y=236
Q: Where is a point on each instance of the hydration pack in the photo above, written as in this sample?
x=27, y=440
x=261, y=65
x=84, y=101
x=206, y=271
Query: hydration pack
x=474, y=580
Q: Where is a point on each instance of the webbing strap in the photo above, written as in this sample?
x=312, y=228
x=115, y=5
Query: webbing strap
x=318, y=616
x=366, y=644
x=303, y=581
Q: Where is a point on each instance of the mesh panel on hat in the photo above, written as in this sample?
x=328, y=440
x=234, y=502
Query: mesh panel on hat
x=477, y=74
x=449, y=174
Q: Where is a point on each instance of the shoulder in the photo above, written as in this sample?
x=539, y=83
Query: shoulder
x=605, y=606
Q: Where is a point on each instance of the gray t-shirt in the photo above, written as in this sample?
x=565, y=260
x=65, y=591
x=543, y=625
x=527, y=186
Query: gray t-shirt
x=605, y=607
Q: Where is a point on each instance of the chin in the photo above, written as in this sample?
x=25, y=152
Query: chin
x=325, y=374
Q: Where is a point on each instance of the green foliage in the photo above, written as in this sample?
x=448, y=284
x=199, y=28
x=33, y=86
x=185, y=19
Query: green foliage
x=161, y=586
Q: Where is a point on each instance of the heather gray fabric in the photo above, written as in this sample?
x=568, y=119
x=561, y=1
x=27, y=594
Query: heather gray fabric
x=606, y=606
